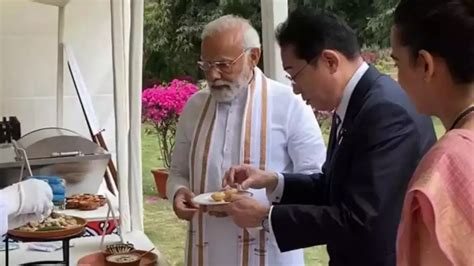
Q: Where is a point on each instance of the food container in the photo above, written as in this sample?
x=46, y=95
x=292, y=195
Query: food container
x=57, y=152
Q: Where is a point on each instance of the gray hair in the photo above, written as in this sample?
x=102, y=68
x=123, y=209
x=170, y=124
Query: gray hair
x=251, y=39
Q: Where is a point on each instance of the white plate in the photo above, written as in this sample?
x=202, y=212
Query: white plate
x=205, y=199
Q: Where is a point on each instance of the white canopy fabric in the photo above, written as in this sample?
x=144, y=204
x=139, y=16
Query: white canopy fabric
x=28, y=76
x=127, y=41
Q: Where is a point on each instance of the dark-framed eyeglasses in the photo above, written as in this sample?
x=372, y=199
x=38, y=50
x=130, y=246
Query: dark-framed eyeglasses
x=293, y=78
x=221, y=66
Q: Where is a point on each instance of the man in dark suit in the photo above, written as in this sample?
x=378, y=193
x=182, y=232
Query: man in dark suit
x=376, y=142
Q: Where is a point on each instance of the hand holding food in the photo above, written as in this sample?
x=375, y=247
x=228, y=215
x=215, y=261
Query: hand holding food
x=246, y=176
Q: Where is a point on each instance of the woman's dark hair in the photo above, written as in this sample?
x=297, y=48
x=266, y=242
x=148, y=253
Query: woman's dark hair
x=311, y=31
x=444, y=28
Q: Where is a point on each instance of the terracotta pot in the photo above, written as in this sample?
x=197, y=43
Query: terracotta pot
x=161, y=176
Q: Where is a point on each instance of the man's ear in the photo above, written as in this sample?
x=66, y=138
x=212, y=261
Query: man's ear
x=255, y=54
x=331, y=59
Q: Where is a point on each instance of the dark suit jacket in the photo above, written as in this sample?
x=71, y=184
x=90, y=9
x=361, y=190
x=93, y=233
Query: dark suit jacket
x=354, y=206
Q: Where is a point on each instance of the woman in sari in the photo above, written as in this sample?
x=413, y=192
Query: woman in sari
x=433, y=47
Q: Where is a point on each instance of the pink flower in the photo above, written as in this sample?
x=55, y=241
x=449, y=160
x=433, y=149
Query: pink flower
x=161, y=106
x=164, y=103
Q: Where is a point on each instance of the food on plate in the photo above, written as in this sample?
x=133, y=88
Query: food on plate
x=85, y=201
x=54, y=222
x=72, y=204
x=225, y=195
x=228, y=194
x=123, y=259
x=218, y=196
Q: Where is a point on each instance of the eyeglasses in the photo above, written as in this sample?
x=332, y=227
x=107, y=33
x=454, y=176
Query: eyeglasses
x=293, y=78
x=221, y=66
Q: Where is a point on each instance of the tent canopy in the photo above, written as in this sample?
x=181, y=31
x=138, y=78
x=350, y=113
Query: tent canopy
x=106, y=38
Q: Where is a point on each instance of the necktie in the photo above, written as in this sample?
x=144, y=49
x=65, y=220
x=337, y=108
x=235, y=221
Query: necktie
x=334, y=136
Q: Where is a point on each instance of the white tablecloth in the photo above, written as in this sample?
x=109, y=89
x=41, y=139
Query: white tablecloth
x=95, y=215
x=81, y=247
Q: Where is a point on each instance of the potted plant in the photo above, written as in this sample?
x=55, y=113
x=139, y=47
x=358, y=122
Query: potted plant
x=162, y=106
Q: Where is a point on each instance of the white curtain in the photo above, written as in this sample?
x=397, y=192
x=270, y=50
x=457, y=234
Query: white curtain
x=127, y=42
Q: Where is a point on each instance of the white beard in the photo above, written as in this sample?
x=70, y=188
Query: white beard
x=224, y=94
x=229, y=91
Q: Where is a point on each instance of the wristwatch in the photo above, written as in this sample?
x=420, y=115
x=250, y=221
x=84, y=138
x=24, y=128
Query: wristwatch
x=266, y=224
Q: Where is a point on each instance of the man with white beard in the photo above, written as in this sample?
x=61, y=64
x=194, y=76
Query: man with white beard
x=244, y=117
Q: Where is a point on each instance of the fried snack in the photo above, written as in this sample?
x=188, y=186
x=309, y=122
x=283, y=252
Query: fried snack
x=225, y=195
x=218, y=196
x=72, y=204
x=55, y=221
x=85, y=201
x=229, y=193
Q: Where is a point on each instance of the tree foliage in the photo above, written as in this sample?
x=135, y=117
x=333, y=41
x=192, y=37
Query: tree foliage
x=171, y=36
x=172, y=28
x=370, y=18
x=172, y=33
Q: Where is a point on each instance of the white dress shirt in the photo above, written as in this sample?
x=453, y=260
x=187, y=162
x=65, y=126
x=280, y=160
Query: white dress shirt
x=348, y=90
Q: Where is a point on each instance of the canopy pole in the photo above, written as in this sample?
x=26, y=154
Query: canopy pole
x=60, y=74
x=273, y=13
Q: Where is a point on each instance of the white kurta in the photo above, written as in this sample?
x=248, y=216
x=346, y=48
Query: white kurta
x=295, y=145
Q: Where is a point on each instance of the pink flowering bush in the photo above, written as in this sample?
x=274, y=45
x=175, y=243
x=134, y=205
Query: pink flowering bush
x=161, y=107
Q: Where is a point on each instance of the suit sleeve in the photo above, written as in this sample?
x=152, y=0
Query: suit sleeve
x=384, y=134
x=304, y=189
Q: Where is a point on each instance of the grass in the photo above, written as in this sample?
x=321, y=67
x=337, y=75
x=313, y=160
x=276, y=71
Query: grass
x=165, y=230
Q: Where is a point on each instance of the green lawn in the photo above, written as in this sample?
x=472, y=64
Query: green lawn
x=168, y=233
